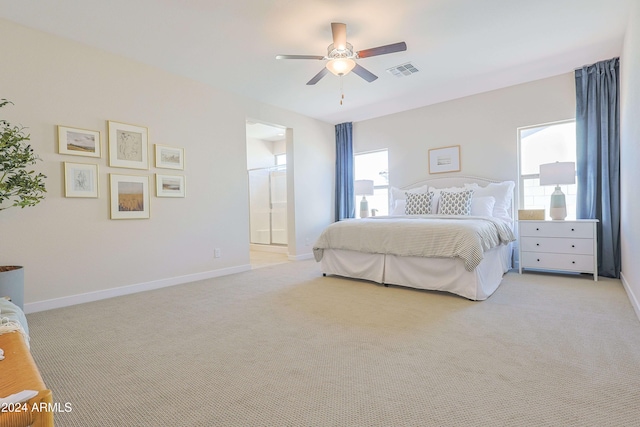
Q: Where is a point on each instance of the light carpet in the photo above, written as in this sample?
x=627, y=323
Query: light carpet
x=284, y=346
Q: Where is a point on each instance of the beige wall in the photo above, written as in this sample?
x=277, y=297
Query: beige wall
x=630, y=155
x=484, y=125
x=71, y=250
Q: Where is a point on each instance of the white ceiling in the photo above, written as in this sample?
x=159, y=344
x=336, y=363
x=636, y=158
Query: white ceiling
x=264, y=131
x=461, y=47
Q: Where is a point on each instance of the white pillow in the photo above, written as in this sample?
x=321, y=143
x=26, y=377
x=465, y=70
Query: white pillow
x=502, y=192
x=482, y=206
x=398, y=194
x=455, y=202
x=399, y=207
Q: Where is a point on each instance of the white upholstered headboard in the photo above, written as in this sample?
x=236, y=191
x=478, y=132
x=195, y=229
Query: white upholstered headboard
x=459, y=181
x=451, y=181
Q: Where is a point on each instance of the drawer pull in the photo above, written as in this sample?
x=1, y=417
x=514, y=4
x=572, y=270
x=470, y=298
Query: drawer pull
x=537, y=244
x=573, y=229
x=573, y=246
x=537, y=229
x=538, y=260
x=573, y=262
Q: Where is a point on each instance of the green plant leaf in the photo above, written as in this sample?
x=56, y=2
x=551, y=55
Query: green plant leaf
x=19, y=187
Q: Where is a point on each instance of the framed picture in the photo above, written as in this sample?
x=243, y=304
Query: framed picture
x=129, y=196
x=128, y=146
x=79, y=142
x=169, y=157
x=80, y=180
x=445, y=159
x=170, y=185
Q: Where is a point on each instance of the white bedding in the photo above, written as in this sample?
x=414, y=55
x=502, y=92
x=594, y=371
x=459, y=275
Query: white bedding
x=459, y=236
x=468, y=260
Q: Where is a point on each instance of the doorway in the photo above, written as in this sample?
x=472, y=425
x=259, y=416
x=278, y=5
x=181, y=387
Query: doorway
x=267, y=173
x=268, y=206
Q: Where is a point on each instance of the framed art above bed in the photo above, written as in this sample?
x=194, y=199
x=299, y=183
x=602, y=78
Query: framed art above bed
x=445, y=159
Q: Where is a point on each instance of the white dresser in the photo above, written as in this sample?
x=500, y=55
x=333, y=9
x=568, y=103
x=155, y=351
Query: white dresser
x=559, y=245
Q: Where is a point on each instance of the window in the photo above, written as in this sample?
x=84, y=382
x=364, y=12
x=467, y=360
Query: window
x=281, y=159
x=554, y=142
x=374, y=165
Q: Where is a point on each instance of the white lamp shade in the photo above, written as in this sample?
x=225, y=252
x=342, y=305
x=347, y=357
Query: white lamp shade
x=341, y=66
x=558, y=173
x=363, y=187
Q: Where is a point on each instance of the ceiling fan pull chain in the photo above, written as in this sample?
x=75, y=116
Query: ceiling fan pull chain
x=341, y=91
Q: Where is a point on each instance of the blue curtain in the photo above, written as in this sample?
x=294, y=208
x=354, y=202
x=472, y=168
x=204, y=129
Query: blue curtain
x=345, y=207
x=598, y=157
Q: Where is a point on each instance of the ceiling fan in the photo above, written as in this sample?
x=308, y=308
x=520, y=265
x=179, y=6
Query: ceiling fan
x=341, y=57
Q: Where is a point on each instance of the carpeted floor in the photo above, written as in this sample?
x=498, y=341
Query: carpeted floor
x=284, y=346
x=259, y=259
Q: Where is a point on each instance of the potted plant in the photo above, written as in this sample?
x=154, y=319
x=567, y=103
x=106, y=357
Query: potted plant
x=19, y=187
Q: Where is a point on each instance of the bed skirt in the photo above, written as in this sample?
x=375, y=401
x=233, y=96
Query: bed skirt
x=439, y=274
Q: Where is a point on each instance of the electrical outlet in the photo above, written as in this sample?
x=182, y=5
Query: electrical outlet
x=217, y=253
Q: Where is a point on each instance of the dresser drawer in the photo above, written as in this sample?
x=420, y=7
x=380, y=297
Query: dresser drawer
x=554, y=245
x=572, y=229
x=554, y=261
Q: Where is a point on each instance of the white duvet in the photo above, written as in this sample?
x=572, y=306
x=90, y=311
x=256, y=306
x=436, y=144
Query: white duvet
x=448, y=236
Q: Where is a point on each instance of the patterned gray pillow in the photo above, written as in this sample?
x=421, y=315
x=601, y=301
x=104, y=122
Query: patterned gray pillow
x=458, y=203
x=418, y=203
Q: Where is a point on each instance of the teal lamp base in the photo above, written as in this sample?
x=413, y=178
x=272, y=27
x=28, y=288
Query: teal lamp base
x=364, y=207
x=558, y=207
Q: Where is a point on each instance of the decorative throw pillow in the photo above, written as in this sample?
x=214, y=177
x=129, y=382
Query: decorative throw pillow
x=458, y=203
x=398, y=194
x=418, y=203
x=436, y=196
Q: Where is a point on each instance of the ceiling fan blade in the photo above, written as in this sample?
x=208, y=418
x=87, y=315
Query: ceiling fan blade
x=339, y=32
x=299, y=57
x=364, y=73
x=318, y=76
x=382, y=50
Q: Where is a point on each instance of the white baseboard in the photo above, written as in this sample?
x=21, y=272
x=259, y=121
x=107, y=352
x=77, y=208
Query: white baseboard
x=632, y=297
x=269, y=248
x=130, y=289
x=300, y=257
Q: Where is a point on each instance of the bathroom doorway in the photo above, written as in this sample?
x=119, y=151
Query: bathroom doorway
x=267, y=172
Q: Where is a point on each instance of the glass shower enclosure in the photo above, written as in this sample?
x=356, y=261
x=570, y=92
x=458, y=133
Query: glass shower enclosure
x=268, y=205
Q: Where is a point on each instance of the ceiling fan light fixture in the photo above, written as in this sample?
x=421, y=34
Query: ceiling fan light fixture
x=341, y=57
x=341, y=66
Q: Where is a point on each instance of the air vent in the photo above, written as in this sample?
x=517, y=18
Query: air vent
x=403, y=70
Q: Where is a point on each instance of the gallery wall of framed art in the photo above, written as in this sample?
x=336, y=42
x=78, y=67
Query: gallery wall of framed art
x=128, y=148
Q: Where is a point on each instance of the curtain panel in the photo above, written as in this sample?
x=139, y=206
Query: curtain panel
x=345, y=206
x=598, y=157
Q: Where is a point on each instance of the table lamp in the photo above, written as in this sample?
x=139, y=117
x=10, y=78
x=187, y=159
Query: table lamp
x=364, y=188
x=558, y=173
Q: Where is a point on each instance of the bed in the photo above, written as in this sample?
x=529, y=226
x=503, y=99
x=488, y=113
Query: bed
x=449, y=234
